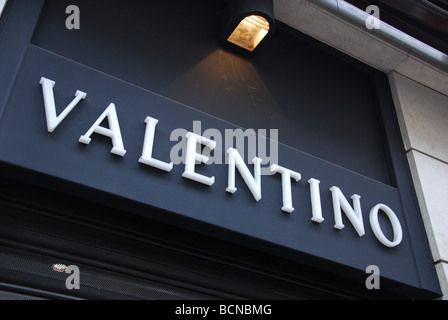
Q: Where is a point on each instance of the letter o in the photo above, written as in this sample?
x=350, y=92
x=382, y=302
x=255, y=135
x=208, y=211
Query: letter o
x=396, y=226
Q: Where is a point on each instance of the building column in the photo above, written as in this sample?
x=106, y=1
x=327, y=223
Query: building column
x=423, y=116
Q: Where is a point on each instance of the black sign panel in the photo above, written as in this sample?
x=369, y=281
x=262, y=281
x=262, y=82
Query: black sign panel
x=26, y=142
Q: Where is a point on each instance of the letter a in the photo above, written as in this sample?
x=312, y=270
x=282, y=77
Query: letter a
x=73, y=20
x=72, y=281
x=113, y=132
x=50, y=107
x=373, y=280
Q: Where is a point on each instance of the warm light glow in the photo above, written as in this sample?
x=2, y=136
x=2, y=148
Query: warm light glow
x=250, y=31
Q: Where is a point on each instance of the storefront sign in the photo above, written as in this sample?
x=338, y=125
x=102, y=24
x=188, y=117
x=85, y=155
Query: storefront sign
x=235, y=161
x=84, y=132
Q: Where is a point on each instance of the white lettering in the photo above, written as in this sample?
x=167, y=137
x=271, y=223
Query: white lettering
x=192, y=310
x=253, y=182
x=286, y=185
x=113, y=132
x=148, y=145
x=50, y=106
x=239, y=137
x=217, y=151
x=316, y=206
x=177, y=155
x=246, y=309
x=354, y=214
x=192, y=156
x=398, y=233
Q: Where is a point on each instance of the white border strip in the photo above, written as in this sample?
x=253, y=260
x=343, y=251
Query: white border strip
x=2, y=6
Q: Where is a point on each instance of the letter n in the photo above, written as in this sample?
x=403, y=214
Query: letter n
x=353, y=214
x=253, y=182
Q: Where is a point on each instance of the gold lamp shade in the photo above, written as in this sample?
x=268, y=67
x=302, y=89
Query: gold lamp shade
x=249, y=32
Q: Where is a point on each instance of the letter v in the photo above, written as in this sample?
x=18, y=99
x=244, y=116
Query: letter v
x=50, y=107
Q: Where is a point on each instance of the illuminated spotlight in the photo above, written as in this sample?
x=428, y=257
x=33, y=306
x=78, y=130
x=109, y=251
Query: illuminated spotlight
x=247, y=24
x=59, y=267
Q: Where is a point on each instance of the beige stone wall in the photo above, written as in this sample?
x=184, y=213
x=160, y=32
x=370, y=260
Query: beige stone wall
x=423, y=117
